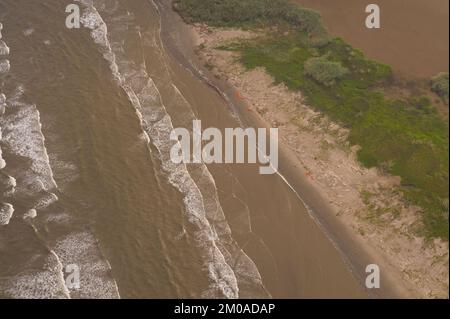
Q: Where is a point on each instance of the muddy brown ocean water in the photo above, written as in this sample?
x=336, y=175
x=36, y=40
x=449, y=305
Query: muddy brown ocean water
x=115, y=185
x=99, y=157
x=294, y=256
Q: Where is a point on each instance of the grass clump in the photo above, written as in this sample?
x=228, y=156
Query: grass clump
x=324, y=71
x=439, y=85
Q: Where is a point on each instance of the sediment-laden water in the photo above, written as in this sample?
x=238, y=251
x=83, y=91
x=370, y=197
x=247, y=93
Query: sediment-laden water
x=86, y=177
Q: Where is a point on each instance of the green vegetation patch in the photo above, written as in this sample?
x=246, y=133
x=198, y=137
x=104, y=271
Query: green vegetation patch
x=439, y=84
x=403, y=137
x=406, y=138
x=253, y=13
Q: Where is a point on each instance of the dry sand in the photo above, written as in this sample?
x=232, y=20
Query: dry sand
x=365, y=202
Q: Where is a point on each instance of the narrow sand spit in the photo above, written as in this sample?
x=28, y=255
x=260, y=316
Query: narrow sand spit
x=365, y=201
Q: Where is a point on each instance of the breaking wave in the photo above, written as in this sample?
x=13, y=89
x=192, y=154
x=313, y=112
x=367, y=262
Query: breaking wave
x=222, y=257
x=34, y=187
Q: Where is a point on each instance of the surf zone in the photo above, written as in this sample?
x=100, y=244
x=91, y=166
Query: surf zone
x=236, y=146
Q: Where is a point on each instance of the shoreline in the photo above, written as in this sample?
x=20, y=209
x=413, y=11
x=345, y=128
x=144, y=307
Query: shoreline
x=182, y=41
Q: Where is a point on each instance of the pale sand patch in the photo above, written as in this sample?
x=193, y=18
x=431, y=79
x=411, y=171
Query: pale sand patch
x=365, y=200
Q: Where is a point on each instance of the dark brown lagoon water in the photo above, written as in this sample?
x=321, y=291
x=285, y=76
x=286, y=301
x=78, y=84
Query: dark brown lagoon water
x=413, y=37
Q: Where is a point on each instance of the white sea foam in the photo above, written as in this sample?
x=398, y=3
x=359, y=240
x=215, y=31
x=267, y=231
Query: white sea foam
x=144, y=95
x=222, y=275
x=30, y=214
x=2, y=161
x=61, y=218
x=6, y=213
x=7, y=181
x=47, y=283
x=4, y=49
x=18, y=93
x=81, y=249
x=243, y=266
x=2, y=105
x=47, y=279
x=22, y=133
x=28, y=32
x=203, y=209
x=4, y=66
x=7, y=185
x=45, y=201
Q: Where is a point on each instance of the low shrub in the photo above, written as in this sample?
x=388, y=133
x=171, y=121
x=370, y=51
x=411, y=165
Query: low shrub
x=324, y=71
x=439, y=85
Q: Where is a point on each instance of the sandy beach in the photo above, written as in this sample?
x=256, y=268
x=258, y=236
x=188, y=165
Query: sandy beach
x=358, y=209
